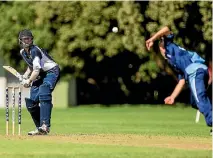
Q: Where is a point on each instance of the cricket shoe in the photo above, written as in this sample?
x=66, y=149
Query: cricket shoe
x=35, y=132
x=44, y=130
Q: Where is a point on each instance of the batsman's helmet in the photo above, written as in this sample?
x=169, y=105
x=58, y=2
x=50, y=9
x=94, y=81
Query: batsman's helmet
x=25, y=38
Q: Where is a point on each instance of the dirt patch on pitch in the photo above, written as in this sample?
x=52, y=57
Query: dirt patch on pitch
x=186, y=143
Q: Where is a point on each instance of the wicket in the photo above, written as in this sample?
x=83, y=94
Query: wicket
x=13, y=110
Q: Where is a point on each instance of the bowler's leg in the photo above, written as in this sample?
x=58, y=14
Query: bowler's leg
x=193, y=101
x=198, y=86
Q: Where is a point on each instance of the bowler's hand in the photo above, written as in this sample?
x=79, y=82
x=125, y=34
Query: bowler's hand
x=169, y=100
x=149, y=43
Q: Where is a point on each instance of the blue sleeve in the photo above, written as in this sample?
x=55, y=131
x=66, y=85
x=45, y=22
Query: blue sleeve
x=36, y=52
x=170, y=51
x=170, y=36
x=168, y=39
x=180, y=76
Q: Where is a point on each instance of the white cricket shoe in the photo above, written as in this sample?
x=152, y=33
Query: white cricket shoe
x=35, y=132
x=44, y=130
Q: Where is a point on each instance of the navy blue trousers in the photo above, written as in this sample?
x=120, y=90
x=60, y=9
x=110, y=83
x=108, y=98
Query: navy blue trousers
x=198, y=84
x=45, y=86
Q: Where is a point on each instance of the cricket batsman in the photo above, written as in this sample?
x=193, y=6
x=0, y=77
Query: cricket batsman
x=41, y=76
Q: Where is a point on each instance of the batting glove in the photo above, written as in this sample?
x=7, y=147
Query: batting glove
x=26, y=83
x=21, y=77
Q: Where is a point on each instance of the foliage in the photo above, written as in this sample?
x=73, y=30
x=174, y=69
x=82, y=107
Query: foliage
x=78, y=34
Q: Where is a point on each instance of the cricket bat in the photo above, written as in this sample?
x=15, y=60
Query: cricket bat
x=12, y=71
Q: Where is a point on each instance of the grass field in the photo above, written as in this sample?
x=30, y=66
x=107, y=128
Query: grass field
x=116, y=132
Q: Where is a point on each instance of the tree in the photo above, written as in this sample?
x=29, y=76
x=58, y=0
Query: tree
x=79, y=34
x=14, y=19
x=190, y=21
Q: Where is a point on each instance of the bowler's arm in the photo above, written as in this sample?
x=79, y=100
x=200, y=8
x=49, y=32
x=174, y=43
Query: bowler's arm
x=171, y=99
x=162, y=32
x=178, y=88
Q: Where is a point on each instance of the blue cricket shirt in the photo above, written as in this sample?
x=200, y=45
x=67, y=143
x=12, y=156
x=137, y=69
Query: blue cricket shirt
x=183, y=61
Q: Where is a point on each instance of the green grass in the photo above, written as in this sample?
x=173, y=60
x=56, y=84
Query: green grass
x=116, y=132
